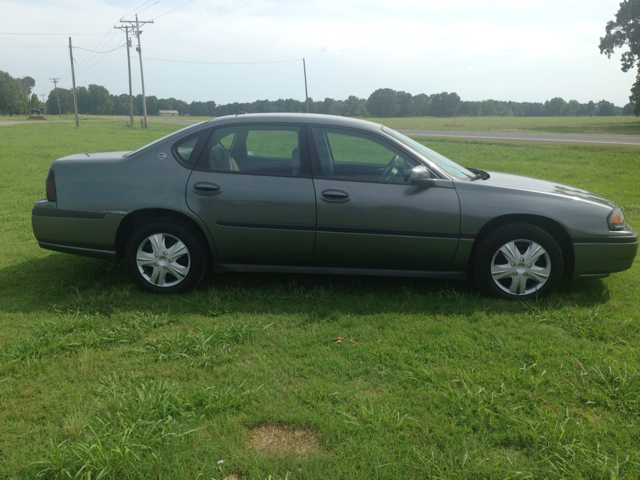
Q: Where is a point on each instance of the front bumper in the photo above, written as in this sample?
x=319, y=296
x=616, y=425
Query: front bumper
x=81, y=233
x=600, y=256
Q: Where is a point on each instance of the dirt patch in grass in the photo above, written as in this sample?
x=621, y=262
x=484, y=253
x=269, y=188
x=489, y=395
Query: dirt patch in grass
x=284, y=440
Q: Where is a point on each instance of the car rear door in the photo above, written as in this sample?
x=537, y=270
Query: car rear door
x=253, y=189
x=369, y=216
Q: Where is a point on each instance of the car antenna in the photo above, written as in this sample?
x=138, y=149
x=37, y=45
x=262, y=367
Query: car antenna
x=239, y=112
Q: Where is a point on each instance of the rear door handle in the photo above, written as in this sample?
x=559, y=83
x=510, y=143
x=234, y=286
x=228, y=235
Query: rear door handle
x=332, y=195
x=206, y=188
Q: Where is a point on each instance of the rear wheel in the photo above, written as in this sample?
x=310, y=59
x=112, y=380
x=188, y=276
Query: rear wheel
x=165, y=256
x=518, y=261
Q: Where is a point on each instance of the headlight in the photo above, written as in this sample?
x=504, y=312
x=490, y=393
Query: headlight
x=616, y=220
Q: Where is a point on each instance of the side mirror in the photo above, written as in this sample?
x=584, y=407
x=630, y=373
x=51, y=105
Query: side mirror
x=421, y=175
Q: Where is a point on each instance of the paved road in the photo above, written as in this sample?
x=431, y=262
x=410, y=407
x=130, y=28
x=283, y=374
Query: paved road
x=532, y=137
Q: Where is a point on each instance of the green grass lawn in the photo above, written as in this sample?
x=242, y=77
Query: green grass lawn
x=598, y=125
x=613, y=125
x=296, y=376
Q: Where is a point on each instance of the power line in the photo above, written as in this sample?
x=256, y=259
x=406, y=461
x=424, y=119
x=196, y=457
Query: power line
x=104, y=41
x=87, y=68
x=136, y=9
x=187, y=3
x=144, y=9
x=57, y=34
x=202, y=23
x=225, y=63
x=104, y=51
x=26, y=46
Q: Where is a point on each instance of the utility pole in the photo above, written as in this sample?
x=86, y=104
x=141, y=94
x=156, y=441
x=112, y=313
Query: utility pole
x=126, y=32
x=44, y=103
x=73, y=77
x=55, y=83
x=306, y=92
x=139, y=49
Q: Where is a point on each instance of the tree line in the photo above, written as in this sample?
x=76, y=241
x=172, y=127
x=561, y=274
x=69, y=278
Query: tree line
x=16, y=98
x=15, y=94
x=384, y=102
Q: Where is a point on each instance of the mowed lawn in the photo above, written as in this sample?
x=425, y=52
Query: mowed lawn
x=619, y=125
x=296, y=376
x=598, y=125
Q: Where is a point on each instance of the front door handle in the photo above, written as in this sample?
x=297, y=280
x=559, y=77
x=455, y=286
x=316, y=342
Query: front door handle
x=332, y=195
x=206, y=188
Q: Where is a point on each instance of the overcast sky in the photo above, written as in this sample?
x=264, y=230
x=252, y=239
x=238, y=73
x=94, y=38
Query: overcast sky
x=520, y=50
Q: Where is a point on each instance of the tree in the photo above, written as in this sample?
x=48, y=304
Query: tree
x=407, y=106
x=25, y=84
x=443, y=104
x=625, y=31
x=572, y=108
x=11, y=99
x=35, y=103
x=383, y=103
x=355, y=107
x=606, y=109
x=66, y=101
x=100, y=100
x=555, y=107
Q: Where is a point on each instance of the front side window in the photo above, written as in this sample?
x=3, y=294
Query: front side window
x=351, y=155
x=441, y=161
x=259, y=149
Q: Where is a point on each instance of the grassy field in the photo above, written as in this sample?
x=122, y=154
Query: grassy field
x=294, y=376
x=612, y=125
x=598, y=125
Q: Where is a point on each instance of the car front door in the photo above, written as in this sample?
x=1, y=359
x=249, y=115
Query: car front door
x=252, y=187
x=369, y=216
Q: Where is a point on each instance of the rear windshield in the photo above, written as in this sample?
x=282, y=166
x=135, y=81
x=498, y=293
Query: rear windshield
x=149, y=145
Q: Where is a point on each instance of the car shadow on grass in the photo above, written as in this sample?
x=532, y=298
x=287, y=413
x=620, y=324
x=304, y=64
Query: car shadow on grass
x=62, y=283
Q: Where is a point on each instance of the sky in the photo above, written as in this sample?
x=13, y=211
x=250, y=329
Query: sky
x=247, y=50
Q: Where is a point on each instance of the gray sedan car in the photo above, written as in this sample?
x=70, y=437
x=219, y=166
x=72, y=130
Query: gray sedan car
x=323, y=194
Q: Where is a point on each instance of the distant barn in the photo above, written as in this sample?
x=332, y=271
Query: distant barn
x=168, y=113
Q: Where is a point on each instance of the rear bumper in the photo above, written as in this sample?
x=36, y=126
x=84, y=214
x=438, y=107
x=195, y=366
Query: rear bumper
x=80, y=233
x=600, y=256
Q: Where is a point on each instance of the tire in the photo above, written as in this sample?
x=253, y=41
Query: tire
x=518, y=261
x=166, y=256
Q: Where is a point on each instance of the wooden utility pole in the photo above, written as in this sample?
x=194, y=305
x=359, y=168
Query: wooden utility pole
x=126, y=32
x=139, y=49
x=55, y=86
x=43, y=102
x=73, y=77
x=306, y=92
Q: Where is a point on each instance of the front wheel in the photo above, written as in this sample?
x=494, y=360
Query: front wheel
x=518, y=261
x=166, y=257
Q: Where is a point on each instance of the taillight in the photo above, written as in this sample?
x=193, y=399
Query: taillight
x=51, y=187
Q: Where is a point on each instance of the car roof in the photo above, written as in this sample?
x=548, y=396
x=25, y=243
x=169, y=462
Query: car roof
x=310, y=118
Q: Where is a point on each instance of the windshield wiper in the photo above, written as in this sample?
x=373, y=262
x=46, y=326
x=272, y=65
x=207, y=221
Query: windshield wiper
x=479, y=174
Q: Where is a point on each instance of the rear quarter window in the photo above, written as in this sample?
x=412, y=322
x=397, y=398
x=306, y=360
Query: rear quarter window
x=187, y=150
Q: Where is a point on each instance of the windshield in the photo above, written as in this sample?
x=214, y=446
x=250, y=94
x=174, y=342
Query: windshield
x=163, y=138
x=440, y=160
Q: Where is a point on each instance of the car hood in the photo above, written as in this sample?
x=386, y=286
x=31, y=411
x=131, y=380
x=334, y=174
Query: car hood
x=543, y=186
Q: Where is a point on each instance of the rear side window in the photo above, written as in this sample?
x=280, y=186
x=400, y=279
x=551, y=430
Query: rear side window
x=255, y=150
x=188, y=149
x=271, y=143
